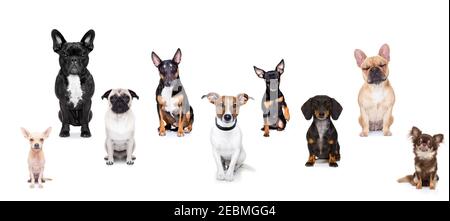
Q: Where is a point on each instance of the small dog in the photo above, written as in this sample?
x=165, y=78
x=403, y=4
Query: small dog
x=425, y=151
x=119, y=123
x=74, y=84
x=322, y=136
x=376, y=97
x=173, y=107
x=275, y=109
x=226, y=136
x=36, y=159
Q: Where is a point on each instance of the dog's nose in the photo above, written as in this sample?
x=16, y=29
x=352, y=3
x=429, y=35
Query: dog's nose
x=75, y=60
x=36, y=145
x=227, y=117
x=321, y=114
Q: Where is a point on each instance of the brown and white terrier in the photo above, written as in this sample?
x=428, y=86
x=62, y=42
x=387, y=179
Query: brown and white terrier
x=376, y=97
x=425, y=151
x=36, y=160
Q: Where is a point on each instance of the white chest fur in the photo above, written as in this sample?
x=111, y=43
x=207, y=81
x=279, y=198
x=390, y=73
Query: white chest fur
x=171, y=104
x=226, y=142
x=120, y=127
x=74, y=89
x=322, y=127
x=378, y=94
x=426, y=155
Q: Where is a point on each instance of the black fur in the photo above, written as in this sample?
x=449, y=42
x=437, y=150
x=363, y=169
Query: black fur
x=322, y=108
x=73, y=60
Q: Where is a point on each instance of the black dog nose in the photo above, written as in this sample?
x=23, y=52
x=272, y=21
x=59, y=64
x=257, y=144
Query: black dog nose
x=321, y=114
x=74, y=60
x=227, y=117
x=36, y=145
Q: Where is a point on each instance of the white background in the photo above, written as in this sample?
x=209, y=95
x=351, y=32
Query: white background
x=220, y=42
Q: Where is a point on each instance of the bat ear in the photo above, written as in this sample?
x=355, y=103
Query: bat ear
x=177, y=57
x=438, y=138
x=58, y=40
x=156, y=60
x=336, y=109
x=212, y=97
x=385, y=52
x=360, y=57
x=307, y=109
x=106, y=94
x=280, y=67
x=415, y=132
x=25, y=133
x=88, y=39
x=259, y=72
x=47, y=132
x=133, y=94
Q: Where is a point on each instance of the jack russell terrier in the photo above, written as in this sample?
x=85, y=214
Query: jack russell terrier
x=226, y=136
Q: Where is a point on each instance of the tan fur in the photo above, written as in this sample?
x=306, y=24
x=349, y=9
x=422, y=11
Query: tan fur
x=375, y=101
x=36, y=159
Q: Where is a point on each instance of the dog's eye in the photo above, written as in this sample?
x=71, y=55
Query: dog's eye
x=382, y=65
x=41, y=139
x=365, y=69
x=31, y=139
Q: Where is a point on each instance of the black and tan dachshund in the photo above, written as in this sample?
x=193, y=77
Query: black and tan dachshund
x=322, y=136
x=274, y=107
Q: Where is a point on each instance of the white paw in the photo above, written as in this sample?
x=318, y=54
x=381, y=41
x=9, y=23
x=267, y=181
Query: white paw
x=110, y=162
x=41, y=186
x=130, y=162
x=220, y=176
x=31, y=186
x=229, y=177
x=387, y=133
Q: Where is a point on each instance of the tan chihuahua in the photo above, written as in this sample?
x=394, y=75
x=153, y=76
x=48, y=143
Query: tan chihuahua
x=376, y=97
x=36, y=160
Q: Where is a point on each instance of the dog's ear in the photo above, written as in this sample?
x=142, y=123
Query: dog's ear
x=243, y=98
x=106, y=94
x=259, y=72
x=415, y=132
x=177, y=57
x=307, y=109
x=47, y=132
x=438, y=138
x=212, y=97
x=58, y=40
x=88, y=40
x=336, y=109
x=156, y=60
x=384, y=52
x=280, y=67
x=133, y=94
x=25, y=133
x=360, y=57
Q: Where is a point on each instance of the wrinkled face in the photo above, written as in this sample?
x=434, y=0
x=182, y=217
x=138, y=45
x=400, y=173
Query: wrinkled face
x=321, y=107
x=375, y=70
x=73, y=58
x=227, y=108
x=168, y=72
x=120, y=100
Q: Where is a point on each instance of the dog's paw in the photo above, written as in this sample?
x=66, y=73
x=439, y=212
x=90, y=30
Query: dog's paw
x=64, y=134
x=32, y=186
x=85, y=134
x=309, y=164
x=220, y=176
x=364, y=134
x=229, y=177
x=130, y=162
x=162, y=133
x=387, y=133
x=40, y=186
x=266, y=135
x=109, y=162
x=333, y=164
x=180, y=134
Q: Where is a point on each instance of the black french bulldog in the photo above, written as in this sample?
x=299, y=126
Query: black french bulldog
x=74, y=84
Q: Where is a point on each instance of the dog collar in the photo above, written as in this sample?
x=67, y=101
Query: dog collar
x=226, y=128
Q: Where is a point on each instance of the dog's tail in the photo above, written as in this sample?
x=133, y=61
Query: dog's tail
x=407, y=179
